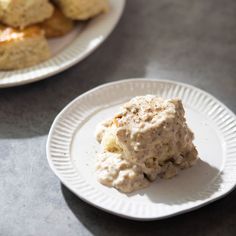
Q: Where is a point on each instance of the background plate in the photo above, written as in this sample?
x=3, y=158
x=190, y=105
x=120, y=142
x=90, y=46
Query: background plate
x=71, y=151
x=68, y=50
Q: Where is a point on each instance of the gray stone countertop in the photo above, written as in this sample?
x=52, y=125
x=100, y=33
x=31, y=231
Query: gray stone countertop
x=182, y=40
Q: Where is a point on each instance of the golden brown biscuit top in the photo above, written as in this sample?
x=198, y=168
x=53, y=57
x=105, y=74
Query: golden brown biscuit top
x=57, y=25
x=8, y=34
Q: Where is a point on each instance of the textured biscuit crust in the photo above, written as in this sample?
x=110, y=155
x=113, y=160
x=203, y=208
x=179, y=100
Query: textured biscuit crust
x=82, y=9
x=22, y=48
x=57, y=25
x=21, y=13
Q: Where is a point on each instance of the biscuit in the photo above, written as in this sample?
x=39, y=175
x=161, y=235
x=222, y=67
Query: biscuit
x=149, y=138
x=57, y=25
x=82, y=9
x=21, y=13
x=22, y=48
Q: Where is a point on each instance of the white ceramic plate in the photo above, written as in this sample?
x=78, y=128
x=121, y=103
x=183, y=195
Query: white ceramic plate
x=71, y=151
x=68, y=50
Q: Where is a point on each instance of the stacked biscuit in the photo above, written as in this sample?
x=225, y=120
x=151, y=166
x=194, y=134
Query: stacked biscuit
x=25, y=25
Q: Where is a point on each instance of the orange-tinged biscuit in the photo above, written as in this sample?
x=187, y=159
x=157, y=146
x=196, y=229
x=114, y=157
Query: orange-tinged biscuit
x=57, y=25
x=22, y=48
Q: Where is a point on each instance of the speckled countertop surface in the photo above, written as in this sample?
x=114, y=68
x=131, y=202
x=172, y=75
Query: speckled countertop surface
x=188, y=41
